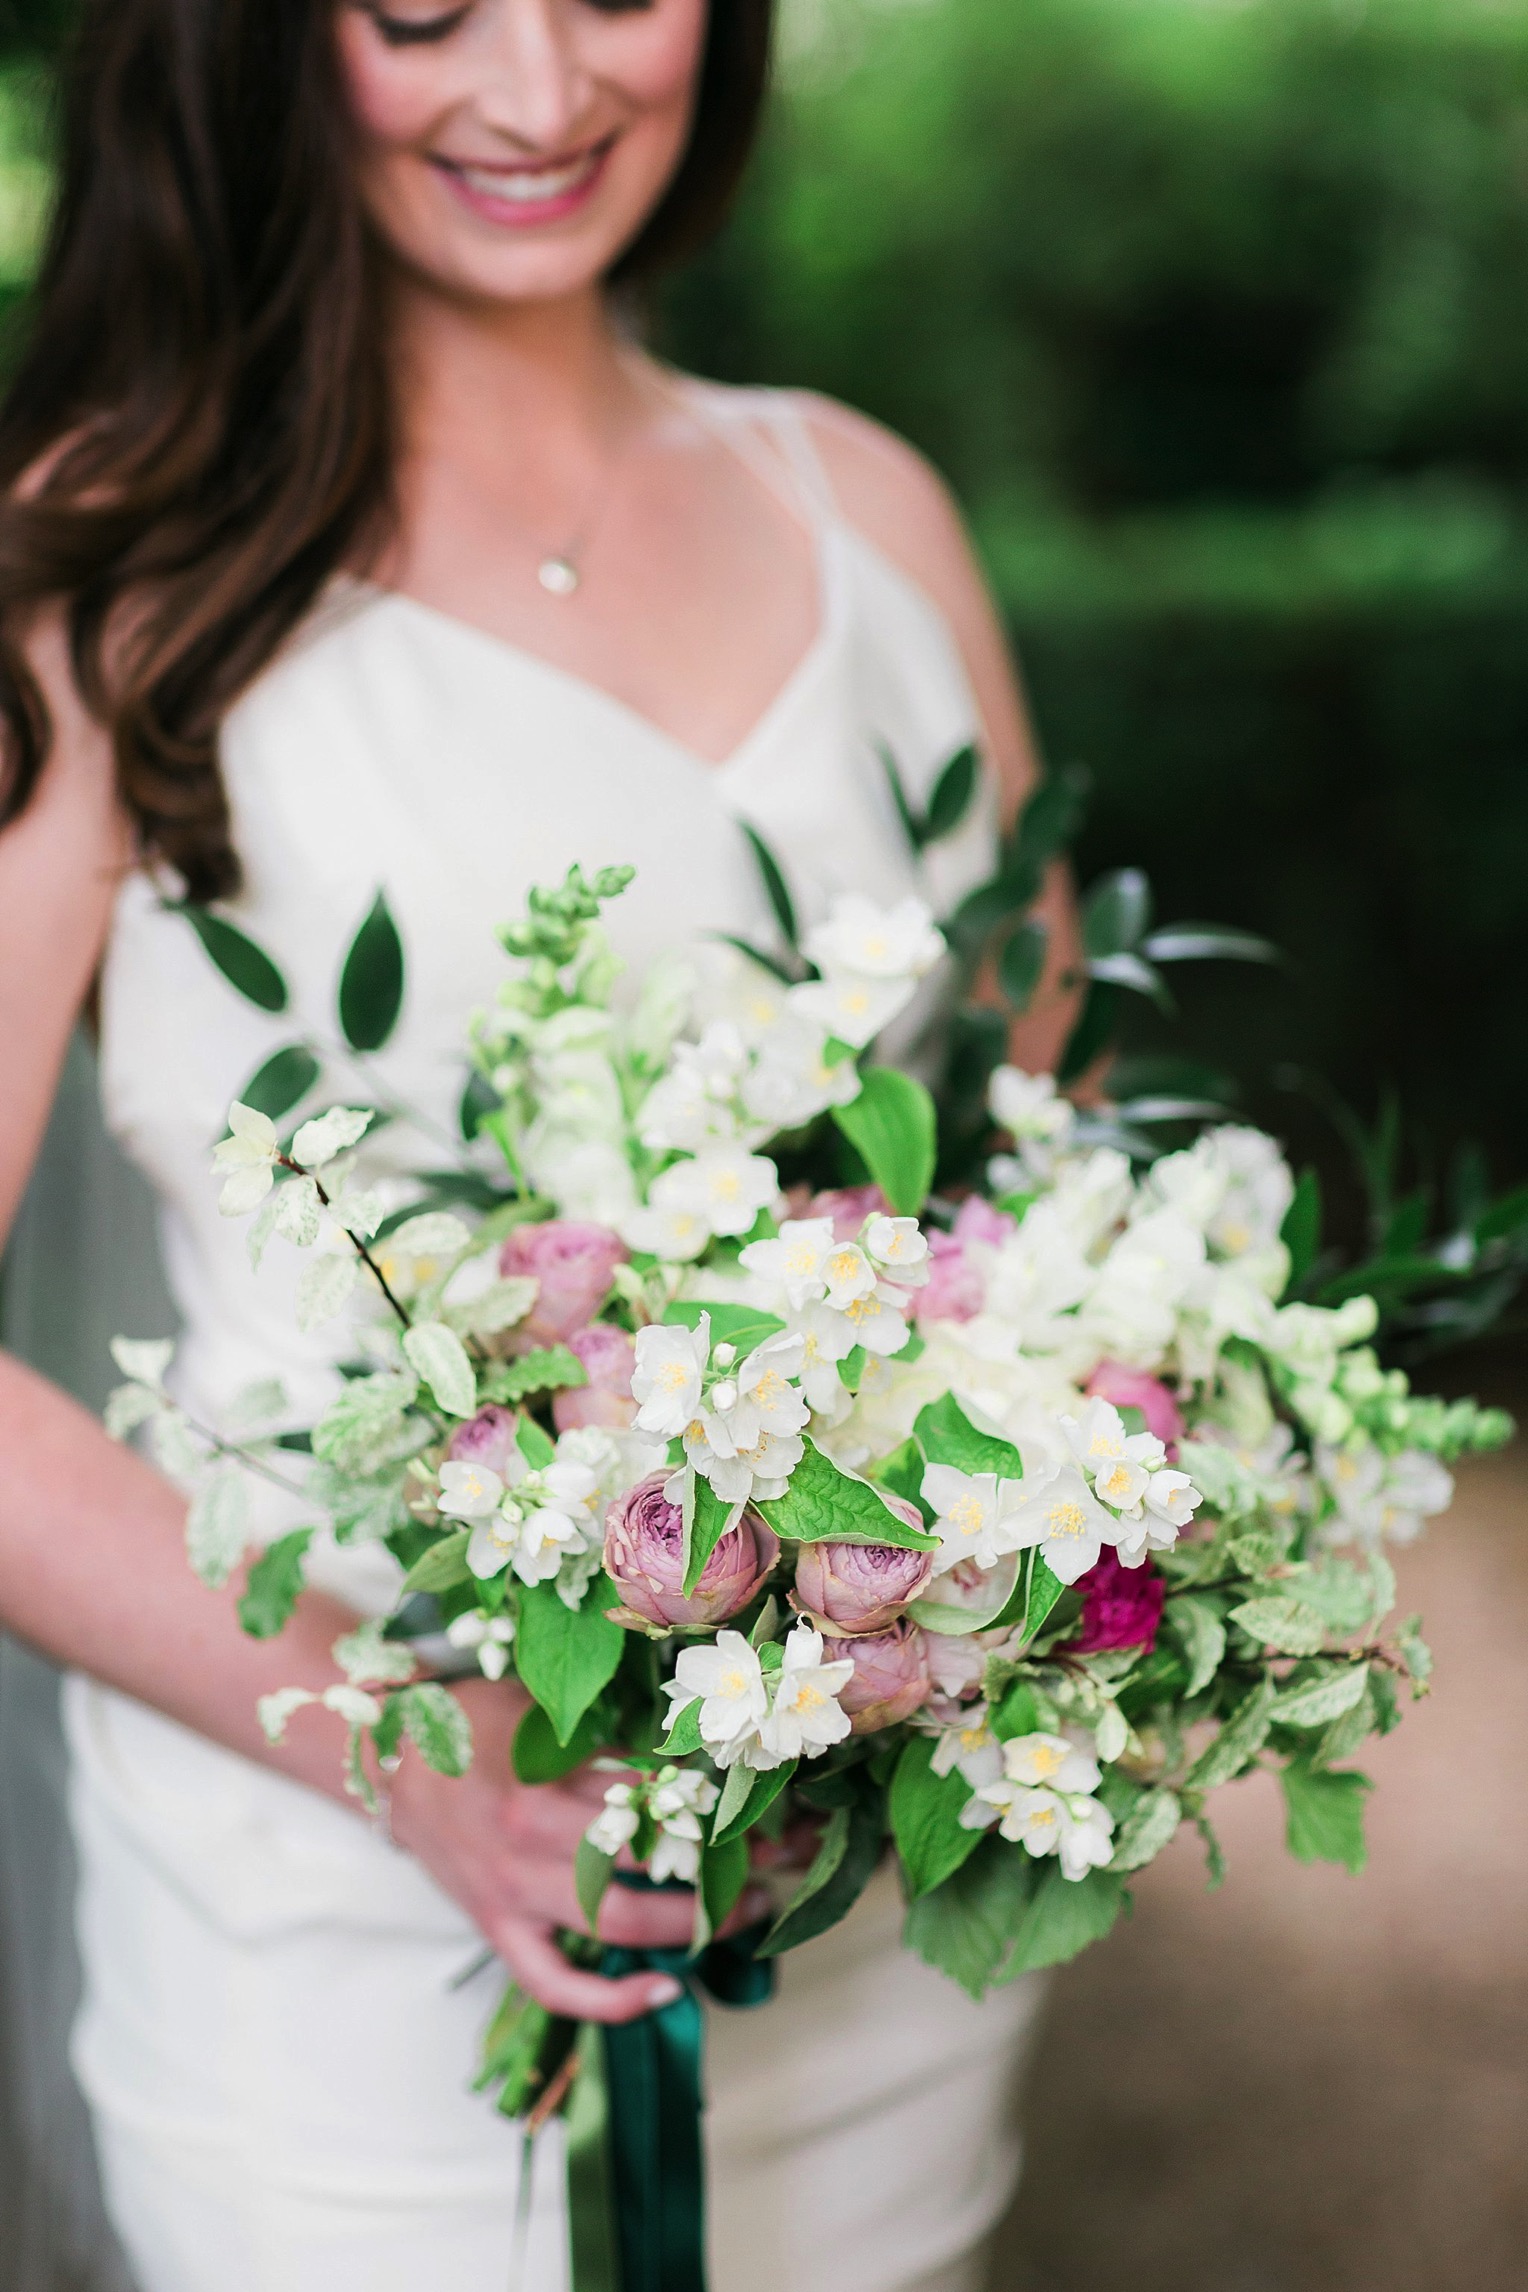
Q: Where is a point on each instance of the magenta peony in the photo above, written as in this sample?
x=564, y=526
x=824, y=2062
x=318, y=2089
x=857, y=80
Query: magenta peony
x=1121, y=1607
x=609, y=1357
x=644, y=1559
x=574, y=1264
x=891, y=1676
x=860, y=1588
x=486, y=1439
x=1133, y=1389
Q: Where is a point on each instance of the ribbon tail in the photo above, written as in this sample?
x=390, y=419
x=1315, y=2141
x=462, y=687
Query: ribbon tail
x=656, y=2153
x=591, y=2226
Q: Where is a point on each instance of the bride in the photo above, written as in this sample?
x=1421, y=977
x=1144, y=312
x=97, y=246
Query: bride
x=350, y=540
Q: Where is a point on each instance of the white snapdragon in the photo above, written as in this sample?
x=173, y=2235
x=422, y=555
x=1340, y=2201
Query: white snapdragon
x=871, y=959
x=1043, y=1802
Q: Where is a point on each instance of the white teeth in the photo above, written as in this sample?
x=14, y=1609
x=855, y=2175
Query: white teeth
x=528, y=186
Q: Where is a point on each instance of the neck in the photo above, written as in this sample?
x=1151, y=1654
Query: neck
x=526, y=398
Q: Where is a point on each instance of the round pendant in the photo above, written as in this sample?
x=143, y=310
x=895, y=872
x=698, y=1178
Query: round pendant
x=557, y=575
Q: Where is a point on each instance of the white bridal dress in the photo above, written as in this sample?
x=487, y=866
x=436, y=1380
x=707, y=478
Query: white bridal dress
x=274, y=2041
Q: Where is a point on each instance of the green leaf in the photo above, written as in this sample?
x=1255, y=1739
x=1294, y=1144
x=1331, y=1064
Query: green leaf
x=845, y=1864
x=952, y=796
x=1325, y=1814
x=1316, y=1702
x=548, y=1369
x=684, y=1735
x=1021, y=964
x=1293, y=1627
x=948, y=1436
x=745, y=1797
x=710, y=1519
x=902, y=1473
x=438, y=1727
x=913, y=827
x=772, y=876
x=966, y=1927
x=892, y=1126
x=744, y=1326
x=284, y=1079
x=1208, y=942
x=275, y=1581
x=1093, y=1033
x=1017, y=1714
x=1301, y=1230
x=925, y=1811
x=439, y=1357
x=538, y=1757
x=1116, y=912
x=243, y=964
x=1151, y=1824
x=371, y=982
x=443, y=1566
x=566, y=1655
x=535, y=1444
x=723, y=1875
x=1064, y=1916
x=824, y=1503
x=1239, y=1740
x=592, y=1873
x=1202, y=1637
x=365, y=1420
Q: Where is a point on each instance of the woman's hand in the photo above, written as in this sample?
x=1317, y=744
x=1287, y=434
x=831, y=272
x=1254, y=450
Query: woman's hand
x=504, y=1850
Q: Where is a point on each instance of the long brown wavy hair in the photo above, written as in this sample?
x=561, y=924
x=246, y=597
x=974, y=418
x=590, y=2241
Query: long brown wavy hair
x=200, y=431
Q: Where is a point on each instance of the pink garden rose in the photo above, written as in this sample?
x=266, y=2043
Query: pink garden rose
x=609, y=1357
x=1133, y=1389
x=575, y=1265
x=860, y=1588
x=957, y=1285
x=644, y=1559
x=486, y=1439
x=1121, y=1607
x=891, y=1676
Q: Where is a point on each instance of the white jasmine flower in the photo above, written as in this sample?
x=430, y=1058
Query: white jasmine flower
x=826, y=1339
x=1035, y=1278
x=850, y=1007
x=695, y=1102
x=1258, y=1190
x=899, y=1247
x=794, y=1259
x=1075, y=1828
x=1379, y=1496
x=874, y=942
x=1050, y=1761
x=469, y=1491
x=805, y=1717
x=876, y=1323
x=547, y=1514
x=977, y=1515
x=679, y=1799
x=718, y=1191
x=727, y=1680
x=791, y=1082
x=1063, y=1517
x=969, y=1746
x=248, y=1159
x=618, y=1821
x=1028, y=1106
x=670, y=1371
x=849, y=1276
x=757, y=1472
x=489, y=1638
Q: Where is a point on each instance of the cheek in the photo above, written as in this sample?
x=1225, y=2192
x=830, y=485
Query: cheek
x=653, y=57
x=394, y=100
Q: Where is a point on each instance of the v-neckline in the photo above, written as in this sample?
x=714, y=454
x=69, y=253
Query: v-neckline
x=830, y=608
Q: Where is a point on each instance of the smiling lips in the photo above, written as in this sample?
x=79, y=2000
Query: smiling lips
x=522, y=194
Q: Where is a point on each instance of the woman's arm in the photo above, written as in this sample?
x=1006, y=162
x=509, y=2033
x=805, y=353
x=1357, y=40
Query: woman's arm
x=890, y=493
x=93, y=1569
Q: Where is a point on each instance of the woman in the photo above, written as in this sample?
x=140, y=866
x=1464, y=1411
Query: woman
x=349, y=542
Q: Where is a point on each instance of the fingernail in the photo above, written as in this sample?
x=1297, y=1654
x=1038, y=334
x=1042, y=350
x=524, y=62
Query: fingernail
x=664, y=1991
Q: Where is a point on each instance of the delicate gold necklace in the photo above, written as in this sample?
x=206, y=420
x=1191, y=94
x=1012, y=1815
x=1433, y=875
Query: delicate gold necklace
x=561, y=571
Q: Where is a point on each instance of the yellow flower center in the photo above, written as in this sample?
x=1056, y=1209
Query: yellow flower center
x=1117, y=1483
x=809, y=1698
x=1065, y=1519
x=1047, y=1760
x=673, y=1377
x=968, y=1514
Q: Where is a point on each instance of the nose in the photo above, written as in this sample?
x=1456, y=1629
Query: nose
x=537, y=87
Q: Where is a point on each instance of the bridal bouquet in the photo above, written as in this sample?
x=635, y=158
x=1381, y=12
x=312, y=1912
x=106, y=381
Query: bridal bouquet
x=991, y=1529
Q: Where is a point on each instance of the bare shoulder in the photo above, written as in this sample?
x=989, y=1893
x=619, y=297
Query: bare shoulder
x=890, y=493
x=896, y=498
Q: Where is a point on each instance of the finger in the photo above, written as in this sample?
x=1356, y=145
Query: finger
x=647, y=1921
x=540, y=1967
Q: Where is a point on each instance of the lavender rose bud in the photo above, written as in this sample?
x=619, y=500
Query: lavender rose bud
x=891, y=1677
x=854, y=1589
x=644, y=1559
x=609, y=1358
x=485, y=1439
x=575, y=1265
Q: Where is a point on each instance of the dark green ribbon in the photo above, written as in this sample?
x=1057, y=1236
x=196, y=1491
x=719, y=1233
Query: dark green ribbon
x=653, y=2100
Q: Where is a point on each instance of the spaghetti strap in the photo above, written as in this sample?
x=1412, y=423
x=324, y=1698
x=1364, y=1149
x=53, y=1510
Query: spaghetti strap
x=766, y=429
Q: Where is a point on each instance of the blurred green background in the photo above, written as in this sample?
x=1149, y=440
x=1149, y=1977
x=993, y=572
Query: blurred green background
x=1217, y=317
